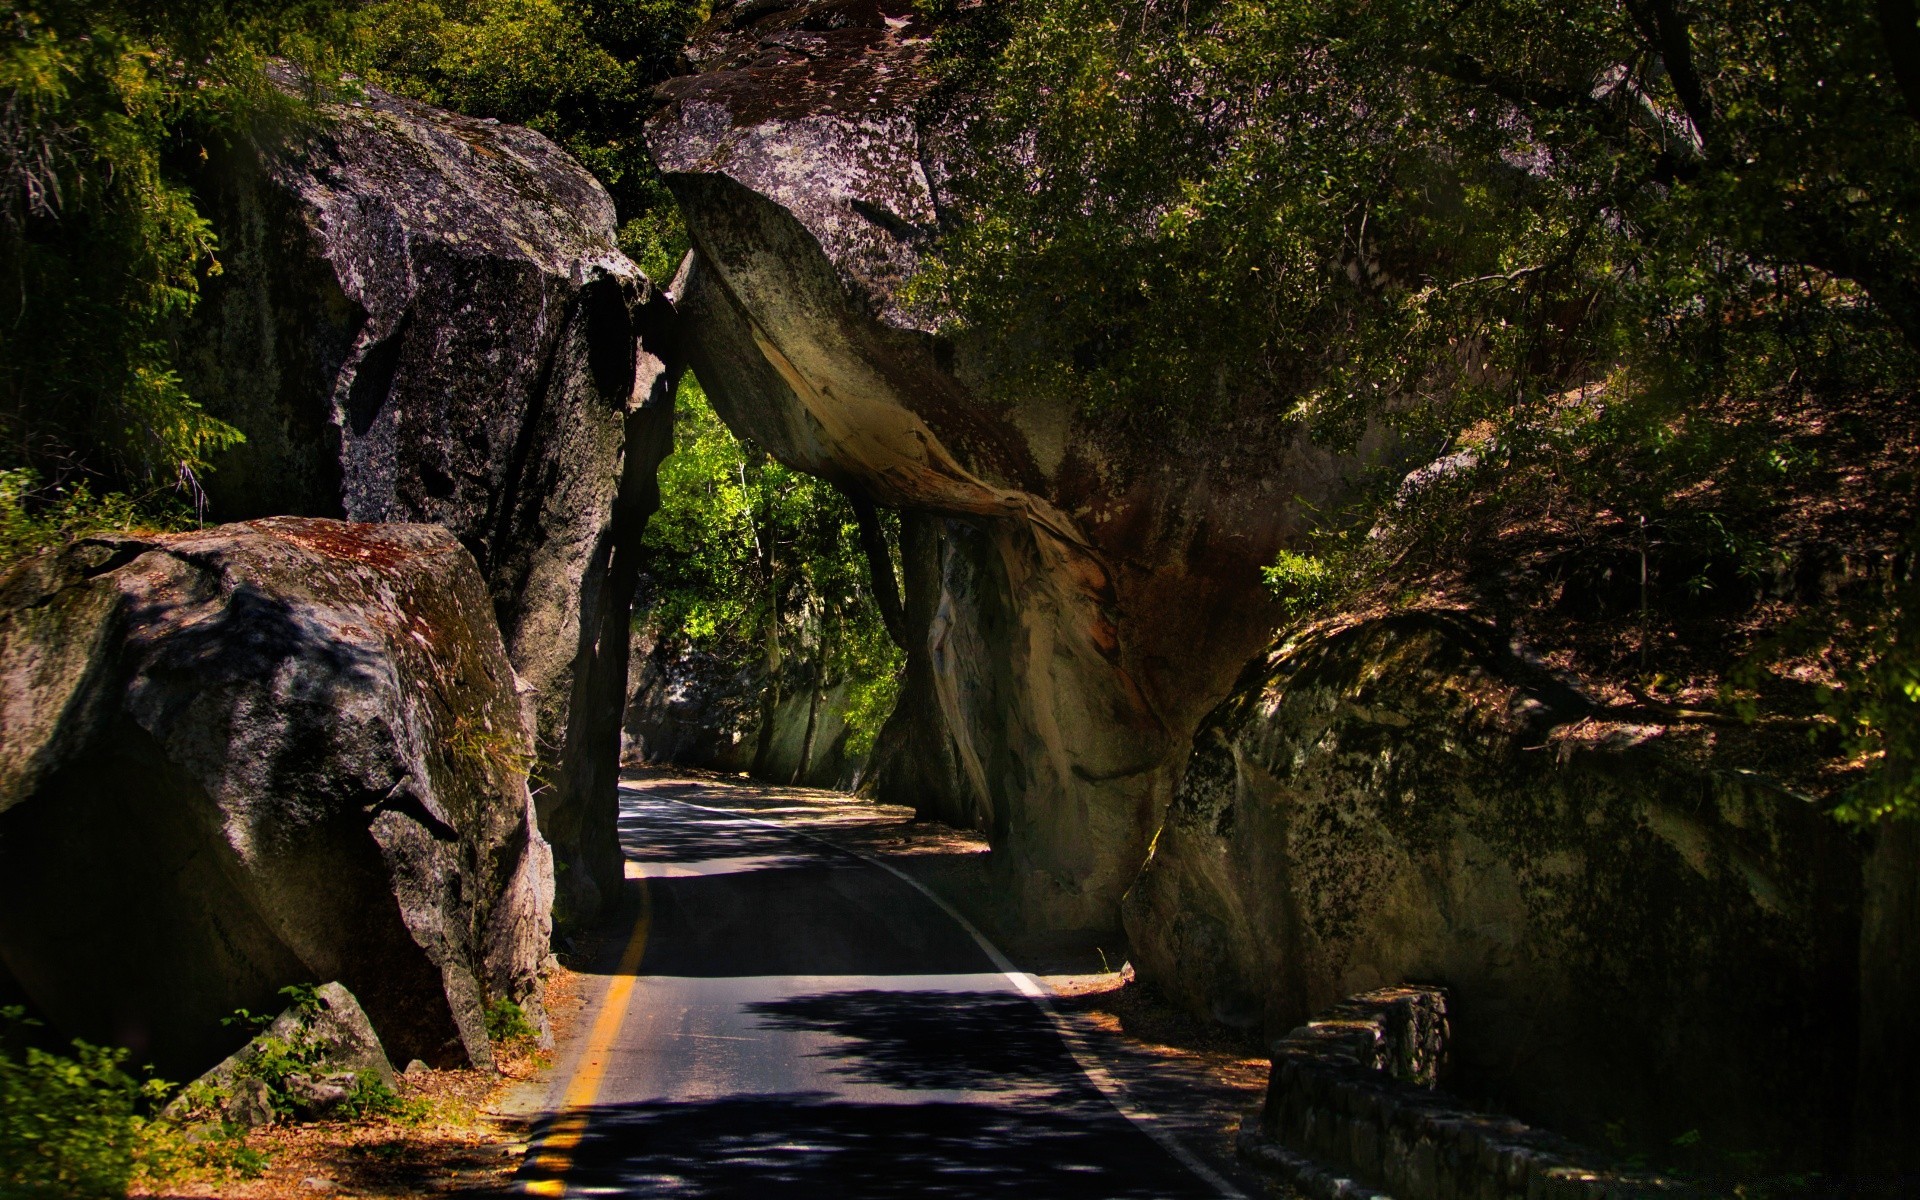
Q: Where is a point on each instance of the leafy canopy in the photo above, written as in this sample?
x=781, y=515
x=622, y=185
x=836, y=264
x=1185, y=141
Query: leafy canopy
x=1600, y=250
x=745, y=551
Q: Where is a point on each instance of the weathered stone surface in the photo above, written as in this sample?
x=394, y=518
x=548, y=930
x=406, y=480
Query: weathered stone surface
x=1080, y=589
x=1625, y=935
x=256, y=756
x=332, y=1035
x=425, y=317
x=691, y=709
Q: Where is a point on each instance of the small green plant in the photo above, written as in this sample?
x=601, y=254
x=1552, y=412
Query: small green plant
x=305, y=999
x=507, y=1023
x=1301, y=582
x=372, y=1098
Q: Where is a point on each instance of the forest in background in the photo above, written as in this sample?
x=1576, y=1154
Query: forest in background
x=108, y=107
x=1636, y=278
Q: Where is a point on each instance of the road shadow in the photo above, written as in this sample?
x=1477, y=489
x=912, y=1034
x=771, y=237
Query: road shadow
x=938, y=1041
x=797, y=1146
x=817, y=919
x=650, y=834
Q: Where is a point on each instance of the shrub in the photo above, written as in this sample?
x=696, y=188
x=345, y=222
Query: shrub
x=507, y=1023
x=84, y=1126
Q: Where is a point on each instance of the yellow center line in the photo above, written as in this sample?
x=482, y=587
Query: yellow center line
x=555, y=1153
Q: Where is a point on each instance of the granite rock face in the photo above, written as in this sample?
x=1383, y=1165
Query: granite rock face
x=424, y=317
x=690, y=708
x=1079, y=590
x=331, y=1033
x=1627, y=937
x=256, y=756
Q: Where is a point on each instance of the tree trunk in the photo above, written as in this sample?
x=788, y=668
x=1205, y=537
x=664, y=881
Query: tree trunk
x=914, y=762
x=805, y=764
x=770, y=694
x=873, y=540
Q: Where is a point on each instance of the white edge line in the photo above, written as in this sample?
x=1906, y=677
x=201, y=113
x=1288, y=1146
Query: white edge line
x=1112, y=1088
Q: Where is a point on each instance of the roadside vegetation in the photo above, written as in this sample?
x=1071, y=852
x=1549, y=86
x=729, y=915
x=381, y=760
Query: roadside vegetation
x=80, y=1122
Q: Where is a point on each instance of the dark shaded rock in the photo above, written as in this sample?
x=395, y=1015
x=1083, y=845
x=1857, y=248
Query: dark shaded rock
x=424, y=317
x=1887, y=1109
x=257, y=755
x=1080, y=588
x=1628, y=937
x=690, y=708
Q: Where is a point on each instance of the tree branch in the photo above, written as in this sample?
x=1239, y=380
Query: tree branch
x=1665, y=29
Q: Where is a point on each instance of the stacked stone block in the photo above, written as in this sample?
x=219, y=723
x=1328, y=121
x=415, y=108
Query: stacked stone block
x=1353, y=1112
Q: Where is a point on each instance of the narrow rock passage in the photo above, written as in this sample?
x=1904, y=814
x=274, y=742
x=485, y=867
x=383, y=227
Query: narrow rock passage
x=792, y=1020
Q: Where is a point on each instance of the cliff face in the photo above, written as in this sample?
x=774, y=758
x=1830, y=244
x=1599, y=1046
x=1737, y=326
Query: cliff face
x=1080, y=589
x=1628, y=936
x=424, y=317
x=256, y=756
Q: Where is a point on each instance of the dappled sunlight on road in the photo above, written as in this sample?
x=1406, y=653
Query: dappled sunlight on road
x=794, y=1019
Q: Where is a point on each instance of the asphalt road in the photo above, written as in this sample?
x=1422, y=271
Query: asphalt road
x=789, y=1020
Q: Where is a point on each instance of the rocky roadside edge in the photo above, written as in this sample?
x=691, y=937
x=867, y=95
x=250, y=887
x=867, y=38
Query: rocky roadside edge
x=463, y=1132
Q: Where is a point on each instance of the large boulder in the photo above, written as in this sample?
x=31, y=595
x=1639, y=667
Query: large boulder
x=1080, y=589
x=425, y=317
x=257, y=756
x=1636, y=942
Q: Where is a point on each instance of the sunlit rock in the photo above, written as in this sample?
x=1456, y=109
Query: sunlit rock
x=1080, y=588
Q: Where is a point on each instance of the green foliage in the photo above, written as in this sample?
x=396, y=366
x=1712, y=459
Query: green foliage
x=69, y=1126
x=761, y=565
x=271, y=1059
x=1604, y=247
x=84, y=1126
x=579, y=71
x=106, y=111
x=369, y=1097
x=1462, y=207
x=104, y=107
x=32, y=518
x=507, y=1022
x=1302, y=582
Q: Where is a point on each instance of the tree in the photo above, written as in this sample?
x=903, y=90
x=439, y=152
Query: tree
x=1636, y=256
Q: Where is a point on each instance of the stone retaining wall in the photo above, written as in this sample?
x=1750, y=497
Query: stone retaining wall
x=1352, y=1113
